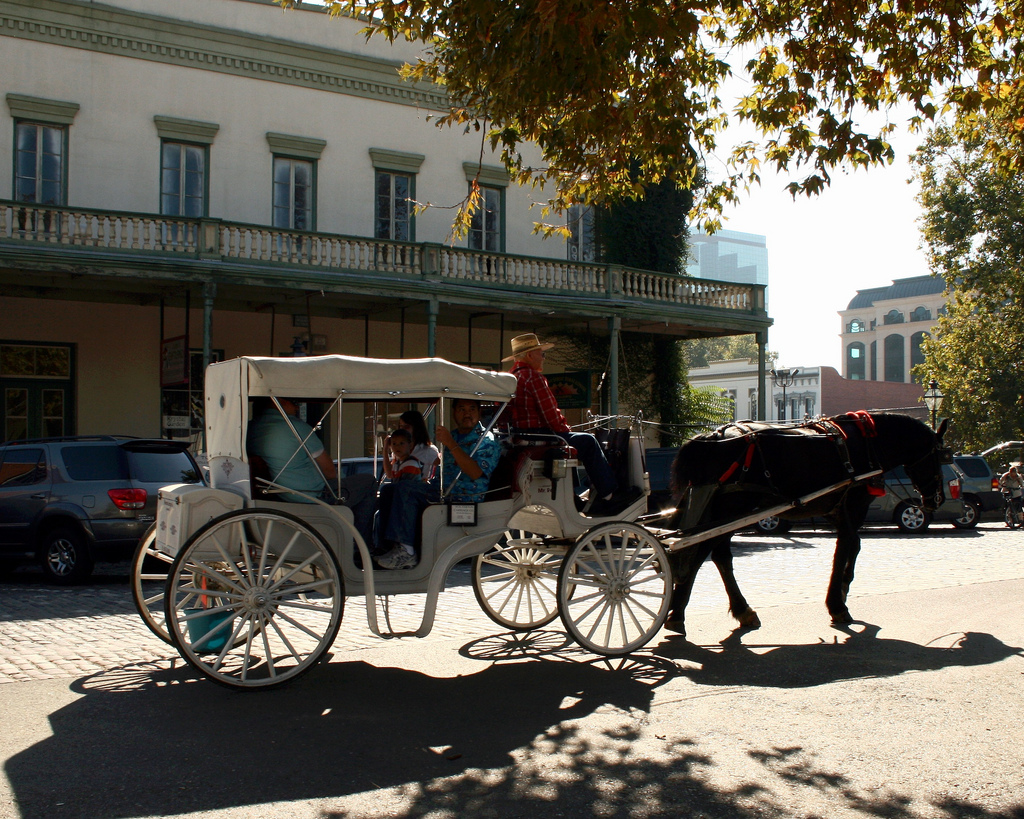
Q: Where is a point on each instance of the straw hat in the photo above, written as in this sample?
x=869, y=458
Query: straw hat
x=526, y=343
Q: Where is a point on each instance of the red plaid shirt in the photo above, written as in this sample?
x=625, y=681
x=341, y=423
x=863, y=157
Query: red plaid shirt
x=534, y=406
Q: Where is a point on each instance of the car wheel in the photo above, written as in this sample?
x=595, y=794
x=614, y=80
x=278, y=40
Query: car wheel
x=911, y=519
x=972, y=514
x=64, y=557
x=772, y=525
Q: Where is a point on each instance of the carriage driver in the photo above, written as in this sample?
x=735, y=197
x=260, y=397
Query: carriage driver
x=270, y=438
x=534, y=409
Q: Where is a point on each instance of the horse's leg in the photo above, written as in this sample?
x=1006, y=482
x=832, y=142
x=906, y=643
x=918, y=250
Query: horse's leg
x=848, y=520
x=721, y=554
x=685, y=565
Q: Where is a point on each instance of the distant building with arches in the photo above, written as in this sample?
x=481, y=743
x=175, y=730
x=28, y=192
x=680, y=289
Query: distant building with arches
x=883, y=327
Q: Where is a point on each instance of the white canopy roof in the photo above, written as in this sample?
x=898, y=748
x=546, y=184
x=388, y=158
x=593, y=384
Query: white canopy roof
x=229, y=384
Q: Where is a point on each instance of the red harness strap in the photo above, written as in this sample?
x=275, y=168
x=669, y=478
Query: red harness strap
x=746, y=459
x=865, y=423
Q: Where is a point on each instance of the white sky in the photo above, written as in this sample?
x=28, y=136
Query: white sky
x=860, y=232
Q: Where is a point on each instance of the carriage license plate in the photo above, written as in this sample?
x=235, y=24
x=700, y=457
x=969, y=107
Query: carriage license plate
x=462, y=514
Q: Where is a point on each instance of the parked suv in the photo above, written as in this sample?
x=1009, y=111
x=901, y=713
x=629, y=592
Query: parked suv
x=899, y=505
x=981, y=488
x=68, y=502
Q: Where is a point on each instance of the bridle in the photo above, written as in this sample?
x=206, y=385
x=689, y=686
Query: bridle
x=938, y=455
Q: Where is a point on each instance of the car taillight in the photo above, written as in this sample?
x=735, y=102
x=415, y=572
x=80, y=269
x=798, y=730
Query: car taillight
x=954, y=489
x=995, y=484
x=128, y=499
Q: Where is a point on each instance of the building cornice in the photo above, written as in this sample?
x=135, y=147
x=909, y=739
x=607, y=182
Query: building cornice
x=186, y=130
x=119, y=32
x=42, y=110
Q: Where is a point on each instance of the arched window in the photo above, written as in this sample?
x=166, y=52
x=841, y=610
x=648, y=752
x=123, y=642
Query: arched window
x=856, y=326
x=921, y=314
x=916, y=353
x=893, y=317
x=855, y=361
x=894, y=360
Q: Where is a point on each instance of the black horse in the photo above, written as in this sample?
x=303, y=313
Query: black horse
x=742, y=469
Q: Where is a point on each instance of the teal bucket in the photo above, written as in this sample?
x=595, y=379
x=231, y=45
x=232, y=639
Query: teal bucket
x=216, y=621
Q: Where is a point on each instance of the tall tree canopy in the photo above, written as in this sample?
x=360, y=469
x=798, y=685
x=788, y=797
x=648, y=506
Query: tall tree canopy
x=597, y=85
x=973, y=225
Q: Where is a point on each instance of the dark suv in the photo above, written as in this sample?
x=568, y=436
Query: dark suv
x=67, y=502
x=981, y=487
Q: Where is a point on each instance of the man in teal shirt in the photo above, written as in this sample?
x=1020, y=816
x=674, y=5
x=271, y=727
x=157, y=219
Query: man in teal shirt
x=473, y=471
x=272, y=439
x=307, y=469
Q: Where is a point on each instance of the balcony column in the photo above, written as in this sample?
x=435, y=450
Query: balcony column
x=209, y=294
x=762, y=344
x=432, y=327
x=614, y=329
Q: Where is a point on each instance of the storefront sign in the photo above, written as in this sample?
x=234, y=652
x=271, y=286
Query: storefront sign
x=173, y=362
x=572, y=390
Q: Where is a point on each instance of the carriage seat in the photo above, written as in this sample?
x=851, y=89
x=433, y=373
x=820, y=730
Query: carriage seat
x=515, y=449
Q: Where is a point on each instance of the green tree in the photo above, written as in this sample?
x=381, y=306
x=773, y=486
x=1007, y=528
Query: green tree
x=650, y=233
x=602, y=86
x=972, y=212
x=702, y=351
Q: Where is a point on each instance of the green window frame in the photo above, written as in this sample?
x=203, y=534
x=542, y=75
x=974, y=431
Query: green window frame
x=184, y=182
x=294, y=197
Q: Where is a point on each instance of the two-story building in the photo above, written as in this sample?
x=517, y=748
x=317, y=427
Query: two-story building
x=214, y=178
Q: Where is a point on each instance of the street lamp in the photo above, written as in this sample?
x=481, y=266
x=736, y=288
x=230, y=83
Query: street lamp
x=784, y=379
x=933, y=399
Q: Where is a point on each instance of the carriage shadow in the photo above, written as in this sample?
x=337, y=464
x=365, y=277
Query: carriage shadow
x=152, y=740
x=861, y=655
x=542, y=718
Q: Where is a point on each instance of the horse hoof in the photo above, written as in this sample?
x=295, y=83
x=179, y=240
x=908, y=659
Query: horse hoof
x=677, y=626
x=749, y=619
x=843, y=619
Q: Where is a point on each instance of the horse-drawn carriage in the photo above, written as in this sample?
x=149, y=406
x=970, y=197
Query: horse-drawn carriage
x=253, y=588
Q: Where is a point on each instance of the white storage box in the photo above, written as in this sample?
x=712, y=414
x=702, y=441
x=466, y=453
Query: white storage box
x=184, y=508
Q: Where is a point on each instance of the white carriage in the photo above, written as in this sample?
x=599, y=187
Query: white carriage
x=255, y=588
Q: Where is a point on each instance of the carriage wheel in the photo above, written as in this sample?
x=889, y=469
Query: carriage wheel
x=516, y=581
x=254, y=599
x=149, y=574
x=614, y=588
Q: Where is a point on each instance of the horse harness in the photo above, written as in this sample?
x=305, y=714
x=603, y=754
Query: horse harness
x=820, y=426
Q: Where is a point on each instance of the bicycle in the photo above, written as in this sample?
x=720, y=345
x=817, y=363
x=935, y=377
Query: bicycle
x=1014, y=511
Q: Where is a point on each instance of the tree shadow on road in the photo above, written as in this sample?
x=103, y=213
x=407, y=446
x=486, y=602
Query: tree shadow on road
x=544, y=729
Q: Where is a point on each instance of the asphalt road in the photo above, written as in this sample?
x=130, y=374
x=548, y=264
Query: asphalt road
x=917, y=710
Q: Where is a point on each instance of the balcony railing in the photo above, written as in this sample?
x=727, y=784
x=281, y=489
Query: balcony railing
x=85, y=229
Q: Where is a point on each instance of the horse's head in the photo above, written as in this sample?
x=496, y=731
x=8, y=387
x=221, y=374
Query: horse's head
x=926, y=471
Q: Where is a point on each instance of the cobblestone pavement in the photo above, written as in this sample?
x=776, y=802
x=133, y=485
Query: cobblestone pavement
x=48, y=632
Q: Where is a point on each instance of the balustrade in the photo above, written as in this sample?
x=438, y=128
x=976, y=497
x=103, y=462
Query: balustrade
x=131, y=233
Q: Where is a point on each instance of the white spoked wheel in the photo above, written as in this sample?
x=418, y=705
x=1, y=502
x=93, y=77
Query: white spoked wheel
x=614, y=589
x=150, y=567
x=254, y=599
x=516, y=582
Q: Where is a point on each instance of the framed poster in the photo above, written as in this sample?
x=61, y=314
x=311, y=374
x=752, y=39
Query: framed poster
x=572, y=390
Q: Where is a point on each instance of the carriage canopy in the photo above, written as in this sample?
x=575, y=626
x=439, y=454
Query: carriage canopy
x=230, y=384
